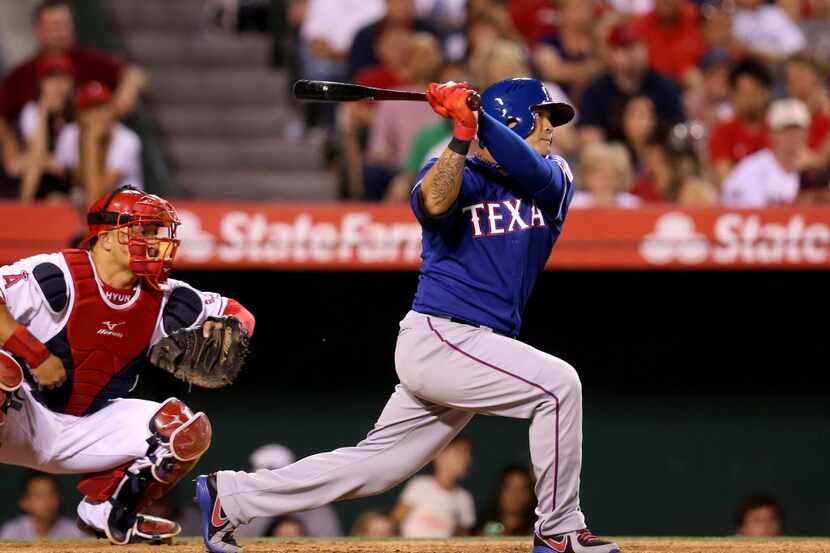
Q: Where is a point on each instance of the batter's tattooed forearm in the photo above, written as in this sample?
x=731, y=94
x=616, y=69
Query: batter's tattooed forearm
x=442, y=188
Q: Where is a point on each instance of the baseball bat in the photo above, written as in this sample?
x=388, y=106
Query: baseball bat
x=328, y=91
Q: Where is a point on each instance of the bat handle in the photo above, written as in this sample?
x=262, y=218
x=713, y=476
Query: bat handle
x=474, y=101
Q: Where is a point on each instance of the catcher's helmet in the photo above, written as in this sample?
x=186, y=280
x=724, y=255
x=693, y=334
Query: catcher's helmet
x=150, y=224
x=515, y=100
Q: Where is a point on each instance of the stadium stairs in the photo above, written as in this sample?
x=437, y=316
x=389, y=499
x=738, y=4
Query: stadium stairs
x=219, y=107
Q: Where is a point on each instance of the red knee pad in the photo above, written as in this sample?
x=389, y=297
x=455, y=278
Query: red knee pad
x=11, y=375
x=187, y=435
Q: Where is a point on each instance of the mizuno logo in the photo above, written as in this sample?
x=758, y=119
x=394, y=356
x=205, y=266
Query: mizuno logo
x=110, y=329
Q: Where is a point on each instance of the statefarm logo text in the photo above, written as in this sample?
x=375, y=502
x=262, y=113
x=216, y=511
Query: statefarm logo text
x=353, y=237
x=737, y=238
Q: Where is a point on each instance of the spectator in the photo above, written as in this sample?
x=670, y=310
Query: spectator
x=605, y=177
x=55, y=32
x=286, y=526
x=672, y=35
x=399, y=14
x=321, y=522
x=40, y=502
x=41, y=121
x=764, y=30
x=482, y=31
x=697, y=192
x=759, y=516
x=716, y=28
x=638, y=124
x=814, y=186
x=707, y=102
x=436, y=506
x=391, y=50
x=102, y=153
x=745, y=133
x=570, y=58
x=534, y=19
x=655, y=179
x=373, y=524
x=805, y=80
x=770, y=176
x=397, y=123
x=328, y=30
x=512, y=505
x=628, y=75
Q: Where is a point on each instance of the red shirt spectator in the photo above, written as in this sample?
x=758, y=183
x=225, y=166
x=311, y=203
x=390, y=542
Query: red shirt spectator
x=733, y=140
x=534, y=19
x=20, y=86
x=819, y=125
x=672, y=34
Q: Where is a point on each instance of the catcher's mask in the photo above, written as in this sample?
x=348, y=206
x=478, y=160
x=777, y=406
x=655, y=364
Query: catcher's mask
x=146, y=224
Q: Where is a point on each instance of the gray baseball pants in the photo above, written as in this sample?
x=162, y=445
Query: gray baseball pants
x=448, y=372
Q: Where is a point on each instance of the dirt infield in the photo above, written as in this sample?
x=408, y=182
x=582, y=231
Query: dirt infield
x=629, y=545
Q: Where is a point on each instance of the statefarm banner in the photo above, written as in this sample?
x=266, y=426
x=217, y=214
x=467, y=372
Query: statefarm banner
x=353, y=236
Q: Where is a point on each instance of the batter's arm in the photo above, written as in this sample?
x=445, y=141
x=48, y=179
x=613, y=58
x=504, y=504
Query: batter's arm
x=442, y=183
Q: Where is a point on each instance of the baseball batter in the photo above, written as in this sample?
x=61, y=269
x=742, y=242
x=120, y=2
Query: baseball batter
x=489, y=223
x=75, y=327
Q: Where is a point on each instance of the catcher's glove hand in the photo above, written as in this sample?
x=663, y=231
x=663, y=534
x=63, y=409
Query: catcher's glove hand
x=210, y=362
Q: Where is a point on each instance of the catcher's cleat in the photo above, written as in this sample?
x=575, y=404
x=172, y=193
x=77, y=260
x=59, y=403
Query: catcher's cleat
x=146, y=529
x=580, y=541
x=217, y=530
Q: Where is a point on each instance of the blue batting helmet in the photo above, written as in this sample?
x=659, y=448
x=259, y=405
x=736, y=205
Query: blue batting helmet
x=514, y=100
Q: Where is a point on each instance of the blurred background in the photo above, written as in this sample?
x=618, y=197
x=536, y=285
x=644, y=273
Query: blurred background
x=695, y=258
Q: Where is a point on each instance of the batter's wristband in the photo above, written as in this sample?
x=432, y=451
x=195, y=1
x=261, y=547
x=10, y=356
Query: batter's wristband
x=25, y=346
x=459, y=146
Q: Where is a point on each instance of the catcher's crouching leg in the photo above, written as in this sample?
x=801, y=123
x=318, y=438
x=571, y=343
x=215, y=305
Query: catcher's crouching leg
x=118, y=497
x=11, y=378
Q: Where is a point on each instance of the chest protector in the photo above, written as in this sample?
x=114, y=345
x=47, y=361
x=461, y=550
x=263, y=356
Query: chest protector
x=102, y=348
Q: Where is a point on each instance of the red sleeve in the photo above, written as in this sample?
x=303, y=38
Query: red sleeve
x=245, y=317
x=719, y=144
x=94, y=65
x=17, y=88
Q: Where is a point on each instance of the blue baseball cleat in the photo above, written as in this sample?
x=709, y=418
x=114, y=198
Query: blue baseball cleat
x=580, y=541
x=217, y=530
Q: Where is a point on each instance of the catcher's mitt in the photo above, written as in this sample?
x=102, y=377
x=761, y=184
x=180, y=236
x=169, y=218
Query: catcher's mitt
x=212, y=362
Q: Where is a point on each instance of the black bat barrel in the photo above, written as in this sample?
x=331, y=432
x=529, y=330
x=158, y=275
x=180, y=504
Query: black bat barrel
x=325, y=91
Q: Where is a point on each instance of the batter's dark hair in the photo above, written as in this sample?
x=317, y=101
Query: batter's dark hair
x=48, y=5
x=752, y=68
x=756, y=501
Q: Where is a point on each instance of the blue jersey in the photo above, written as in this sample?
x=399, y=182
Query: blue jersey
x=482, y=258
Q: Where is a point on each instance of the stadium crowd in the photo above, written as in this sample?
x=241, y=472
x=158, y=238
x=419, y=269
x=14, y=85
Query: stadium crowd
x=430, y=505
x=692, y=102
x=697, y=103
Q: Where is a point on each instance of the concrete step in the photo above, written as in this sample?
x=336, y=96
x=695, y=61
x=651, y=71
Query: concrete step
x=259, y=185
x=214, y=48
x=250, y=155
x=156, y=14
x=218, y=87
x=236, y=122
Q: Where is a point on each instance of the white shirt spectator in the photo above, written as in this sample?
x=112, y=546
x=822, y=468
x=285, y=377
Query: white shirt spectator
x=23, y=528
x=28, y=121
x=433, y=511
x=123, y=155
x=584, y=199
x=758, y=181
x=338, y=22
x=768, y=29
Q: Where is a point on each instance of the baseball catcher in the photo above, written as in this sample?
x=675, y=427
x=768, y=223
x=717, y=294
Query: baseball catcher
x=77, y=328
